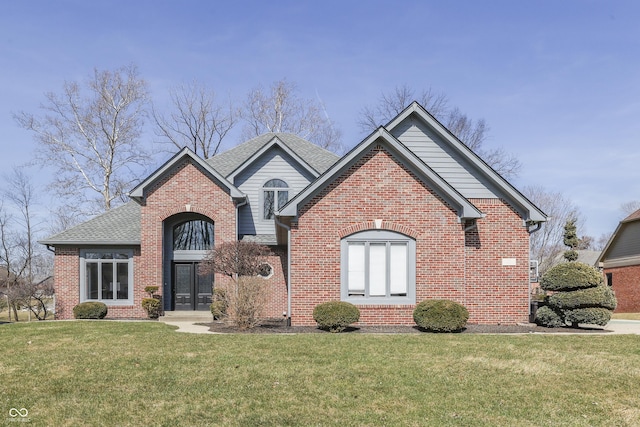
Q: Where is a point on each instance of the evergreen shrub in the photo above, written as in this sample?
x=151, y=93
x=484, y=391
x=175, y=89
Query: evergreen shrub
x=335, y=316
x=152, y=307
x=90, y=310
x=570, y=276
x=440, y=315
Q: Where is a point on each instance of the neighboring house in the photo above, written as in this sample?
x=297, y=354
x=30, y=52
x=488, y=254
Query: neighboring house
x=408, y=214
x=620, y=261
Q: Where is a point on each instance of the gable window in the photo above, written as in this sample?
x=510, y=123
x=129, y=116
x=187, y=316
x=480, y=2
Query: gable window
x=107, y=276
x=378, y=267
x=275, y=196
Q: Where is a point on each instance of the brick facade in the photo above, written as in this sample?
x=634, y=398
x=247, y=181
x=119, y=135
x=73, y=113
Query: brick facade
x=379, y=187
x=482, y=265
x=626, y=286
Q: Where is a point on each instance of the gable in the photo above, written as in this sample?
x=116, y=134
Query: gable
x=379, y=182
x=273, y=163
x=458, y=165
x=316, y=159
x=624, y=246
x=432, y=149
x=140, y=192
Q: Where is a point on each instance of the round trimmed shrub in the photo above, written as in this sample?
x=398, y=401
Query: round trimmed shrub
x=90, y=310
x=545, y=316
x=335, y=316
x=601, y=296
x=440, y=315
x=152, y=307
x=570, y=276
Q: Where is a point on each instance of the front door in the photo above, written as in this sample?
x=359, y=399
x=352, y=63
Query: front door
x=191, y=291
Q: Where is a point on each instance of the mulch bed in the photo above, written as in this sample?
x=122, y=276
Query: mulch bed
x=278, y=326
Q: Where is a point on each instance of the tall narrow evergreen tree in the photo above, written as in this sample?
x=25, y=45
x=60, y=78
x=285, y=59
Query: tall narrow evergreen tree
x=571, y=240
x=578, y=292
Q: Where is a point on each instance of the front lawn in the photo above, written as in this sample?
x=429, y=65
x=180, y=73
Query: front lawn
x=143, y=373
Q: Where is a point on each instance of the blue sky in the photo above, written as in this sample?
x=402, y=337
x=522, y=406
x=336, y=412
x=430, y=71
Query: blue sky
x=558, y=82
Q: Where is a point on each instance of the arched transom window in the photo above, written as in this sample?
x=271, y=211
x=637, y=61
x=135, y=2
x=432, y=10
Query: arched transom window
x=193, y=235
x=275, y=196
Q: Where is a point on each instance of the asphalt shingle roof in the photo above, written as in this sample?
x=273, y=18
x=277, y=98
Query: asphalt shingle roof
x=318, y=158
x=120, y=225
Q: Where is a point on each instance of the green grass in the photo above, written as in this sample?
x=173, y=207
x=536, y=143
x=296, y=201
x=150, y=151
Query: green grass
x=143, y=373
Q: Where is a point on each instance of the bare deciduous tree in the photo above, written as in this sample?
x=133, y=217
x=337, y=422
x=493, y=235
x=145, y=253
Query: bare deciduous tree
x=472, y=133
x=630, y=207
x=197, y=121
x=90, y=136
x=547, y=243
x=280, y=109
x=19, y=253
x=245, y=293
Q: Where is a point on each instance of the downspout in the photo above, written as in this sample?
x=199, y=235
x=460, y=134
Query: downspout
x=288, y=228
x=238, y=206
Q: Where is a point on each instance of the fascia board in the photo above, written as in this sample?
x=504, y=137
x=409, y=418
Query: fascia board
x=534, y=213
x=275, y=141
x=105, y=243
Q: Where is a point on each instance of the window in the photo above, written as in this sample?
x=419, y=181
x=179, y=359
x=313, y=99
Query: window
x=274, y=190
x=107, y=276
x=378, y=267
x=610, y=279
x=194, y=235
x=265, y=270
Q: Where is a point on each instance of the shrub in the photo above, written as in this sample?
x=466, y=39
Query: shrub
x=152, y=307
x=545, y=316
x=218, y=309
x=151, y=290
x=570, y=276
x=440, y=315
x=601, y=296
x=335, y=316
x=90, y=310
x=590, y=315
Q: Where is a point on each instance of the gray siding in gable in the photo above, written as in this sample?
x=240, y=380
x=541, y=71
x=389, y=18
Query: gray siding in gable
x=440, y=157
x=275, y=163
x=626, y=243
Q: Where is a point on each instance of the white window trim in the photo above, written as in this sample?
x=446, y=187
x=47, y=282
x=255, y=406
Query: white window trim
x=378, y=236
x=83, y=276
x=265, y=188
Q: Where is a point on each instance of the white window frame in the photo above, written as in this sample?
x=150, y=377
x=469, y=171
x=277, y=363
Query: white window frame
x=276, y=191
x=378, y=238
x=83, y=274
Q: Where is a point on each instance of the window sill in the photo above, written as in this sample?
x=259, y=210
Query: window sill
x=380, y=301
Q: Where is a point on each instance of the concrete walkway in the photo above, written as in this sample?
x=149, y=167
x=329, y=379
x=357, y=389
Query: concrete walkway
x=187, y=321
x=619, y=326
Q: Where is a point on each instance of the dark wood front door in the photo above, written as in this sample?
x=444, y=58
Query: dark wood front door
x=191, y=291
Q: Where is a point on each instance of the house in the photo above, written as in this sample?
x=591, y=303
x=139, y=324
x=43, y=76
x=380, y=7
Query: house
x=620, y=261
x=409, y=214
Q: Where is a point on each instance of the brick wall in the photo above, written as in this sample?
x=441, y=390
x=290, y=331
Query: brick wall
x=66, y=281
x=626, y=285
x=184, y=189
x=380, y=187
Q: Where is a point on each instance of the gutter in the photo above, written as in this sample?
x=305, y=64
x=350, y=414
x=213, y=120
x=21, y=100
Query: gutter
x=288, y=228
